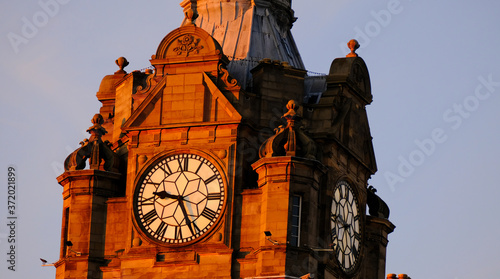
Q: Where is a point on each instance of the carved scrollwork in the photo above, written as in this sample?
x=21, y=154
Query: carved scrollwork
x=229, y=81
x=148, y=83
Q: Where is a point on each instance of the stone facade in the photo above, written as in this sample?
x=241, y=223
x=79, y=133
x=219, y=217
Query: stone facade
x=274, y=157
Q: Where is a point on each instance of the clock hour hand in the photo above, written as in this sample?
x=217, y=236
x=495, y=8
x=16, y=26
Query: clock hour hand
x=339, y=219
x=163, y=194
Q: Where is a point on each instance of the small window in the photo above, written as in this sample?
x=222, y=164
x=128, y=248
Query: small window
x=296, y=212
x=65, y=230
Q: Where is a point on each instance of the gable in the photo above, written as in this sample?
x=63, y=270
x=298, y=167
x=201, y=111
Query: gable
x=190, y=98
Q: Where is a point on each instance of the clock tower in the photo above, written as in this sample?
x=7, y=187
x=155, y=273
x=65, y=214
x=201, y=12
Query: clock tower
x=225, y=159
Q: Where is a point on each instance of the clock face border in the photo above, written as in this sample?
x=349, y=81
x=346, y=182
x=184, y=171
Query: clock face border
x=346, y=200
x=180, y=223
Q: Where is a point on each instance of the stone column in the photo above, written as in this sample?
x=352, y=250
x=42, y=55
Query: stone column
x=84, y=221
x=377, y=230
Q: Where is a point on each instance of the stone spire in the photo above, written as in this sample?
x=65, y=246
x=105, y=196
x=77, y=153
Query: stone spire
x=248, y=31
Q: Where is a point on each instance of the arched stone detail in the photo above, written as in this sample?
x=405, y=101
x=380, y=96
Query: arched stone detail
x=187, y=41
x=353, y=70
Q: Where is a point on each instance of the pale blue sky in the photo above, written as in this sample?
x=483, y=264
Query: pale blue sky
x=435, y=78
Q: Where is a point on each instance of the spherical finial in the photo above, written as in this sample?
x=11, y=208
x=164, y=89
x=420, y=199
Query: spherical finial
x=190, y=16
x=97, y=119
x=122, y=63
x=353, y=45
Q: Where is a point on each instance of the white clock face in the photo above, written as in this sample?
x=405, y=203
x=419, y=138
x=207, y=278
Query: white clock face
x=345, y=225
x=179, y=199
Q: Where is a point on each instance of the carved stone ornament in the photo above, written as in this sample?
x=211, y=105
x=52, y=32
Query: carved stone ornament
x=147, y=84
x=377, y=207
x=187, y=44
x=229, y=81
x=98, y=153
x=289, y=140
x=190, y=17
x=353, y=45
x=122, y=63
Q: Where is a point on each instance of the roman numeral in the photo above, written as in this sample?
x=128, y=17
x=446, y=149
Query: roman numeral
x=183, y=164
x=354, y=252
x=196, y=229
x=162, y=228
x=210, y=179
x=178, y=233
x=214, y=196
x=199, y=167
x=151, y=182
x=208, y=213
x=149, y=201
x=150, y=217
x=167, y=171
x=357, y=236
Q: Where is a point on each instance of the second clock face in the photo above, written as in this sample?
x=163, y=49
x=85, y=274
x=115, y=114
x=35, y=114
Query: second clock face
x=179, y=199
x=345, y=225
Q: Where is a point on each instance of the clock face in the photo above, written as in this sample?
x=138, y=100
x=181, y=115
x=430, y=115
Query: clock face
x=345, y=225
x=179, y=199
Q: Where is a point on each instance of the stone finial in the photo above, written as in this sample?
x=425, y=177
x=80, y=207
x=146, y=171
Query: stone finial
x=353, y=45
x=190, y=17
x=122, y=63
x=96, y=131
x=289, y=140
x=98, y=153
x=291, y=116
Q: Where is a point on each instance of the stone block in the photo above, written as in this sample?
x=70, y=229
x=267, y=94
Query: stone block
x=173, y=80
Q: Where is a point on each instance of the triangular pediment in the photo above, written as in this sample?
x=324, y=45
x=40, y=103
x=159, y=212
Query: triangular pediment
x=182, y=99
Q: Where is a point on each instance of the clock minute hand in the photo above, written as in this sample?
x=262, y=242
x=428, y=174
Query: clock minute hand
x=164, y=194
x=188, y=221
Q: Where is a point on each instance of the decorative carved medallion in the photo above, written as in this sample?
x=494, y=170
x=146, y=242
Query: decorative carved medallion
x=188, y=44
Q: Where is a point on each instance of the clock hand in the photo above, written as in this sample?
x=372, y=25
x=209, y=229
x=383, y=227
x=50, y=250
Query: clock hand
x=183, y=208
x=339, y=219
x=163, y=194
